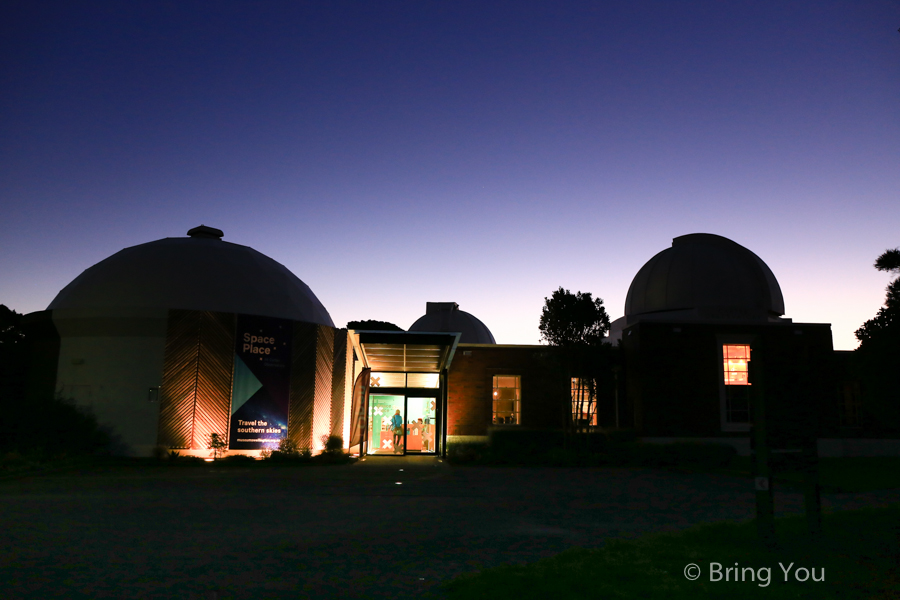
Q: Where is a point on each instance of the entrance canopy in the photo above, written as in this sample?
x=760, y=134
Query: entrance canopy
x=404, y=351
x=403, y=391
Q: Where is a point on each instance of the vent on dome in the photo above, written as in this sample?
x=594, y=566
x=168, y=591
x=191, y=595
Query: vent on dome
x=204, y=232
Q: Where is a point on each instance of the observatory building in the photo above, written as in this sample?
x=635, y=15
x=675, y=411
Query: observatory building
x=170, y=341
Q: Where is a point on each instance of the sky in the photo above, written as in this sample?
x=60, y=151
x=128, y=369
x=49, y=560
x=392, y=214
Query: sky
x=486, y=153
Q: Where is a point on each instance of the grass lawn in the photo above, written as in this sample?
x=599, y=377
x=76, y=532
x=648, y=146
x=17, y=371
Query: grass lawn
x=858, y=555
x=853, y=474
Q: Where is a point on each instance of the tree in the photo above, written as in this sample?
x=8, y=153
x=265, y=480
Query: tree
x=878, y=356
x=573, y=320
x=13, y=364
x=371, y=325
x=885, y=327
x=577, y=323
x=218, y=444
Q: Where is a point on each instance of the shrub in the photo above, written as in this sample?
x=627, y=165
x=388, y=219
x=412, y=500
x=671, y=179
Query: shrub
x=288, y=447
x=467, y=453
x=218, y=444
x=683, y=454
x=239, y=459
x=334, y=444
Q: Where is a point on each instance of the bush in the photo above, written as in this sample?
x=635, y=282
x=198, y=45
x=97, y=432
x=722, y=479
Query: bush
x=238, y=459
x=334, y=444
x=288, y=451
x=52, y=428
x=288, y=447
x=467, y=453
x=682, y=454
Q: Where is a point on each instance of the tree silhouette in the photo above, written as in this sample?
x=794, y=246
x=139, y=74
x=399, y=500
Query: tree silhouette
x=885, y=327
x=372, y=325
x=576, y=324
x=878, y=355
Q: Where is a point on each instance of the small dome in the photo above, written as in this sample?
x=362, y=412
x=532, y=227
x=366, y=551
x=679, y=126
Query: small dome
x=200, y=272
x=445, y=317
x=709, y=275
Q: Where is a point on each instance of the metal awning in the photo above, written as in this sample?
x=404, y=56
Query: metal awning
x=405, y=351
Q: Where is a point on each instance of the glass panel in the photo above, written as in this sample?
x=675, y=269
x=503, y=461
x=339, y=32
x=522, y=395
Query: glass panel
x=737, y=405
x=420, y=428
x=387, y=380
x=506, y=399
x=385, y=424
x=584, y=409
x=422, y=380
x=735, y=359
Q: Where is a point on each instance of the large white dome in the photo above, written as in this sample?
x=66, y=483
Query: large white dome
x=200, y=272
x=708, y=275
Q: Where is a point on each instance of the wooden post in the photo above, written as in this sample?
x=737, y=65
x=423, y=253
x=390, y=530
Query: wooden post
x=765, y=507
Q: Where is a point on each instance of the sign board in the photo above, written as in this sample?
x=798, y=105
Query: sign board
x=262, y=380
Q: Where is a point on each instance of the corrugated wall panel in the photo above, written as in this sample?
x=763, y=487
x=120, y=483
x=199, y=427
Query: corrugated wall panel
x=179, y=381
x=214, y=376
x=322, y=402
x=348, y=391
x=339, y=382
x=303, y=381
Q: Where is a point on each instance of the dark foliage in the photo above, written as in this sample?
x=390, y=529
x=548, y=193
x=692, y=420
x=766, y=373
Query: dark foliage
x=12, y=354
x=877, y=359
x=371, y=325
x=573, y=320
x=51, y=428
x=576, y=324
x=543, y=448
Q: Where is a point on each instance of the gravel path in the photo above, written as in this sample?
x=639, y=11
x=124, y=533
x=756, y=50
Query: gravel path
x=383, y=528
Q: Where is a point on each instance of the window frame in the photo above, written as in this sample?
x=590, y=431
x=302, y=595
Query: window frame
x=517, y=402
x=724, y=423
x=594, y=420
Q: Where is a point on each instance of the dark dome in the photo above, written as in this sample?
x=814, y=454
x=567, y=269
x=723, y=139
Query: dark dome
x=445, y=317
x=200, y=272
x=707, y=274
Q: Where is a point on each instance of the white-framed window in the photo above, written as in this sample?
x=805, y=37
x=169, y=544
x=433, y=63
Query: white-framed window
x=584, y=401
x=734, y=385
x=507, y=399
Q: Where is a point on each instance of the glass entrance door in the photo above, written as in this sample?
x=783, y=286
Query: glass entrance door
x=402, y=425
x=421, y=425
x=386, y=431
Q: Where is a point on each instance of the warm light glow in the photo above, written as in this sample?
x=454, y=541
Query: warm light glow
x=507, y=399
x=584, y=408
x=736, y=358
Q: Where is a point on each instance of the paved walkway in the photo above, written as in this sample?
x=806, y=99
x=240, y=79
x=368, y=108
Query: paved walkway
x=386, y=527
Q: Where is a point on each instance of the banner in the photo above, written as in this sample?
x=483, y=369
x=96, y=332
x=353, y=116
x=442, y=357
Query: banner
x=262, y=380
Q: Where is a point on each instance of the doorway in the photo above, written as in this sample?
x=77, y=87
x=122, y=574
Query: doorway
x=417, y=433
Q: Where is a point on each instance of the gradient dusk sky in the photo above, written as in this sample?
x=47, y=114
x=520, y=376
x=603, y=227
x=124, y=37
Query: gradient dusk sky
x=487, y=153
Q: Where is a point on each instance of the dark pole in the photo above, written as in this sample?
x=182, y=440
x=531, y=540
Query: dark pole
x=765, y=513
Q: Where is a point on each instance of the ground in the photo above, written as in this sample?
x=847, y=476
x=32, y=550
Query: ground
x=387, y=527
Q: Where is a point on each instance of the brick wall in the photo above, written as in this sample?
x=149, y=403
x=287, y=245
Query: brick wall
x=470, y=387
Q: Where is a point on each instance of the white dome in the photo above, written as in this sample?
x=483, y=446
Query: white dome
x=200, y=272
x=709, y=275
x=446, y=317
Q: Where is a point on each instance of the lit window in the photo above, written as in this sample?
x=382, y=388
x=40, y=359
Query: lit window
x=736, y=392
x=507, y=399
x=584, y=401
x=735, y=358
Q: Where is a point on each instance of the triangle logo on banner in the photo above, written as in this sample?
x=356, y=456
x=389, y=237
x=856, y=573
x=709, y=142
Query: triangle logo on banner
x=245, y=384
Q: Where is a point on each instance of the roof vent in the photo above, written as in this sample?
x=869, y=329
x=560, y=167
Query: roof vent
x=436, y=307
x=204, y=232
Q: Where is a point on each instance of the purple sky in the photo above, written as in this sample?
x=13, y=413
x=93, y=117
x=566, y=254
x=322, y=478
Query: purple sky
x=391, y=154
